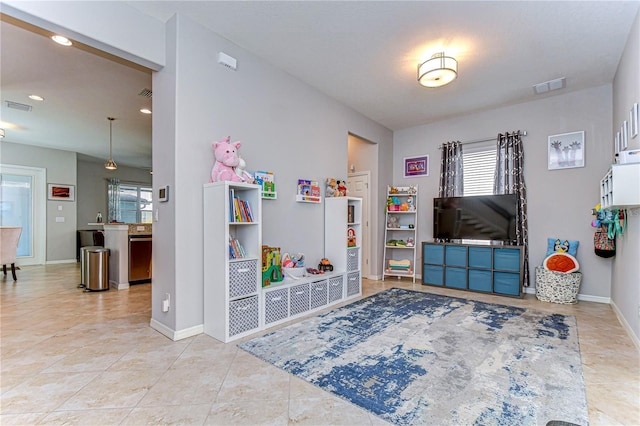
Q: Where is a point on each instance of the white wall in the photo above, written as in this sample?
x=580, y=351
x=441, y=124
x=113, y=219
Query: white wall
x=559, y=201
x=285, y=126
x=61, y=169
x=625, y=292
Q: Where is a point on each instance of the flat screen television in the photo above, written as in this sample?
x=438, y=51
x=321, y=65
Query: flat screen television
x=483, y=217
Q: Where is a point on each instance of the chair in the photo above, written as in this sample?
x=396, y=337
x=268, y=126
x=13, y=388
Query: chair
x=9, y=236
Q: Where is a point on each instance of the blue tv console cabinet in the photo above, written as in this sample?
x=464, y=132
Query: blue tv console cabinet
x=481, y=268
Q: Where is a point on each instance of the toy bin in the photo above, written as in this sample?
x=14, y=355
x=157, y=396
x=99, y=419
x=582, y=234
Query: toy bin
x=557, y=287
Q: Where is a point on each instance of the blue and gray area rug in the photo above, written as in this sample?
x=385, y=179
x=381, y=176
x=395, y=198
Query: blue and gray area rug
x=422, y=359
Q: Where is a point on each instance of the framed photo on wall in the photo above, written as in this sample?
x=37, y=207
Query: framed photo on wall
x=624, y=138
x=416, y=166
x=61, y=192
x=633, y=121
x=566, y=150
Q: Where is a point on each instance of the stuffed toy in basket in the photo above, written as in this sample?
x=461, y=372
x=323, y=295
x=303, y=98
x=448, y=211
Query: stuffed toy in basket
x=558, y=279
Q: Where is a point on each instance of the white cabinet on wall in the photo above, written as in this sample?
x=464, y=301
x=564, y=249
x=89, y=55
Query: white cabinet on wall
x=619, y=187
x=400, y=232
x=232, y=259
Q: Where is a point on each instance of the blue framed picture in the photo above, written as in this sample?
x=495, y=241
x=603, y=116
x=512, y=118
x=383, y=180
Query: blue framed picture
x=416, y=166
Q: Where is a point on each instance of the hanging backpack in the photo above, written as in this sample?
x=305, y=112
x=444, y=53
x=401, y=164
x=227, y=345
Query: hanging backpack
x=602, y=244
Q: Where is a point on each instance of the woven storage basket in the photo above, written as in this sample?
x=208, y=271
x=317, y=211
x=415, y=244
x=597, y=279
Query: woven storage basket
x=556, y=287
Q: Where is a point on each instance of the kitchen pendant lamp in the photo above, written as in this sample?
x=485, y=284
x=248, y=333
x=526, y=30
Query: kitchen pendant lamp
x=438, y=71
x=110, y=165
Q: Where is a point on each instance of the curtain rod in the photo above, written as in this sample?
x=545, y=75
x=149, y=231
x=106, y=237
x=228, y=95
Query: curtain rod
x=522, y=133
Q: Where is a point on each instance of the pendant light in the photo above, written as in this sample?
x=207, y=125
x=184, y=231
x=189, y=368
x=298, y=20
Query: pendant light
x=110, y=165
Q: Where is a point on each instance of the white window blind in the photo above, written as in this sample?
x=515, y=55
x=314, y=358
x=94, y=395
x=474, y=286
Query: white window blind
x=479, y=166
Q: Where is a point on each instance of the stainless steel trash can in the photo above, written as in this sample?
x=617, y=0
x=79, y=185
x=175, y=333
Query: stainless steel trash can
x=96, y=268
x=83, y=279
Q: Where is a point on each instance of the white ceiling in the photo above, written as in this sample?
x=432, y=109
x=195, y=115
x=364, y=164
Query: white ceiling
x=362, y=53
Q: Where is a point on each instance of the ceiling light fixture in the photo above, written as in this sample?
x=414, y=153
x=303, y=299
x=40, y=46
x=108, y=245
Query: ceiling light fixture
x=1, y=133
x=36, y=98
x=110, y=165
x=145, y=110
x=61, y=40
x=438, y=71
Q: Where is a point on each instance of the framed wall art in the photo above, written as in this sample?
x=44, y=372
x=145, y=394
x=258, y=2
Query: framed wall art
x=566, y=150
x=624, y=136
x=416, y=166
x=633, y=121
x=61, y=192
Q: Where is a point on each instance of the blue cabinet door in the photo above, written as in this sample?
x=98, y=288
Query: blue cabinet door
x=455, y=277
x=506, y=283
x=456, y=255
x=480, y=280
x=480, y=257
x=433, y=253
x=432, y=274
x=506, y=259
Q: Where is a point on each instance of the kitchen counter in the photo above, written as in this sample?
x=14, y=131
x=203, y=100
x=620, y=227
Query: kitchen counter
x=116, y=239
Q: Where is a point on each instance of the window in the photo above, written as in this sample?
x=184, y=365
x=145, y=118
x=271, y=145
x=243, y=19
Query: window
x=130, y=203
x=479, y=166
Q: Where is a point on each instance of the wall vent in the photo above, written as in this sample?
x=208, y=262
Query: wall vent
x=19, y=106
x=147, y=93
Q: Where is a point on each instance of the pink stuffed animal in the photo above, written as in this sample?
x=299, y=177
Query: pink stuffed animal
x=226, y=156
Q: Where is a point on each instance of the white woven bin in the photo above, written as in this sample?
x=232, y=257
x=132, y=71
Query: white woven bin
x=557, y=287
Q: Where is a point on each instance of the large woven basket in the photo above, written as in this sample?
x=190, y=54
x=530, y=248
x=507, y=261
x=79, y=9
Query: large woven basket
x=557, y=287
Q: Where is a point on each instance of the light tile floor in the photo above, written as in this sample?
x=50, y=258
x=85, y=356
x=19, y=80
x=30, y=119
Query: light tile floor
x=70, y=357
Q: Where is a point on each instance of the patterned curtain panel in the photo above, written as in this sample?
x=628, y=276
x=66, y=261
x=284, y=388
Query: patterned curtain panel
x=510, y=180
x=451, y=176
x=113, y=194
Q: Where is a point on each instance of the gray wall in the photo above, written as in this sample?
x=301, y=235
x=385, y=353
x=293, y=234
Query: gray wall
x=559, y=201
x=92, y=187
x=625, y=292
x=61, y=169
x=285, y=126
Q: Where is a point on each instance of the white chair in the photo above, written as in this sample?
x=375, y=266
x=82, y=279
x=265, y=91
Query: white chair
x=9, y=236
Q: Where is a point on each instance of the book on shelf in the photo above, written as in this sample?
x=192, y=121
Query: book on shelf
x=236, y=250
x=239, y=209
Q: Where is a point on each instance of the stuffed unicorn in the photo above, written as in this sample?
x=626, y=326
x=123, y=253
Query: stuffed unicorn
x=226, y=155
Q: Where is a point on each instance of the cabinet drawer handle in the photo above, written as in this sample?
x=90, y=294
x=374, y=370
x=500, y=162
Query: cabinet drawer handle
x=319, y=288
x=335, y=284
x=242, y=308
x=243, y=270
x=275, y=299
x=299, y=292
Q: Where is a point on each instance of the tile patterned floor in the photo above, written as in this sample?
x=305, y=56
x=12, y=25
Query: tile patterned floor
x=75, y=358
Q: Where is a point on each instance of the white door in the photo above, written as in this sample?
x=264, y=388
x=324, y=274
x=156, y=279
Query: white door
x=358, y=184
x=23, y=203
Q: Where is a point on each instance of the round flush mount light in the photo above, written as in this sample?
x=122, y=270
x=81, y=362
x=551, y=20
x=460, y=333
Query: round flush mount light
x=438, y=71
x=145, y=110
x=36, y=98
x=61, y=40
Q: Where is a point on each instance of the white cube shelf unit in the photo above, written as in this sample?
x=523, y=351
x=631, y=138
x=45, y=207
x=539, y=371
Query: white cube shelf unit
x=235, y=303
x=619, y=188
x=232, y=285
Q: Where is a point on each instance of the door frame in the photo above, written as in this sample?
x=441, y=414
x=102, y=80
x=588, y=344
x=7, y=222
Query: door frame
x=39, y=212
x=366, y=250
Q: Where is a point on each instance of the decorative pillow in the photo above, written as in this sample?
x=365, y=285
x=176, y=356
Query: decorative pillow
x=561, y=262
x=556, y=245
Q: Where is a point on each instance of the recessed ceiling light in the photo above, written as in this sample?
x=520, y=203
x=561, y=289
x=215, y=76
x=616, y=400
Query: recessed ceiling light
x=145, y=110
x=36, y=97
x=61, y=40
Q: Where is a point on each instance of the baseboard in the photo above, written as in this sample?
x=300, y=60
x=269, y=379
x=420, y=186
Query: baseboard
x=56, y=262
x=118, y=286
x=584, y=297
x=176, y=335
x=626, y=325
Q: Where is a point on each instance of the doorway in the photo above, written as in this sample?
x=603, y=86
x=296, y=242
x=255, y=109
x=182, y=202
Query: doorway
x=358, y=184
x=23, y=203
